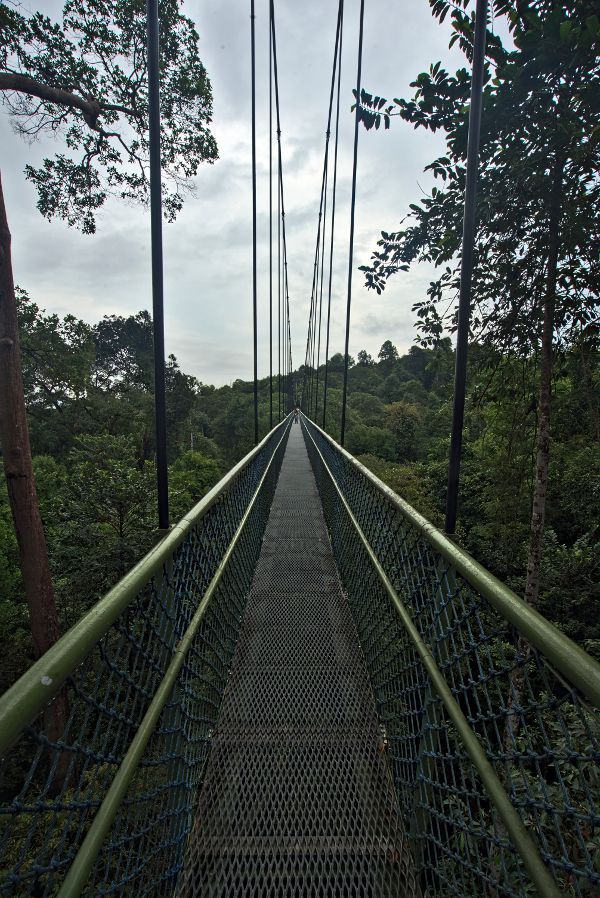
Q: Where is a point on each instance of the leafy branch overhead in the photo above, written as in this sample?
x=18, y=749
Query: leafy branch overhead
x=540, y=116
x=85, y=80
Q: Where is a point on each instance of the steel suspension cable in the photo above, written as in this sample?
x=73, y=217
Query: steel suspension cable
x=315, y=292
x=285, y=289
x=309, y=339
x=158, y=321
x=466, y=267
x=328, y=135
x=279, y=286
x=270, y=230
x=322, y=262
x=333, y=194
x=254, y=287
x=314, y=338
x=352, y=209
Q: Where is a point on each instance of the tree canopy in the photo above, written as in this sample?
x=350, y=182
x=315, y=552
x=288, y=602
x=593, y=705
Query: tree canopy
x=541, y=114
x=84, y=79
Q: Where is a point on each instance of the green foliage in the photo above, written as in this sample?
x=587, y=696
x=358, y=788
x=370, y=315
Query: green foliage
x=363, y=358
x=369, y=408
x=372, y=440
x=93, y=443
x=190, y=478
x=540, y=116
x=85, y=79
x=404, y=420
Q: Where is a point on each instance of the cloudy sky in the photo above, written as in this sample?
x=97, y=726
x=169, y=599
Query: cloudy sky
x=208, y=251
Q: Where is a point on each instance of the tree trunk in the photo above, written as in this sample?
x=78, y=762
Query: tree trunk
x=540, y=486
x=18, y=468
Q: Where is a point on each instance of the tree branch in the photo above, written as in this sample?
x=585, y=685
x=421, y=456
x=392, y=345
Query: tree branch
x=91, y=108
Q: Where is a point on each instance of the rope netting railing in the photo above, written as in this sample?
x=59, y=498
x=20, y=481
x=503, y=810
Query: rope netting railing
x=488, y=713
x=104, y=740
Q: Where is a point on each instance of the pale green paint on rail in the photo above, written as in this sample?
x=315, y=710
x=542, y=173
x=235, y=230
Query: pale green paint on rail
x=91, y=846
x=21, y=704
x=578, y=668
x=524, y=844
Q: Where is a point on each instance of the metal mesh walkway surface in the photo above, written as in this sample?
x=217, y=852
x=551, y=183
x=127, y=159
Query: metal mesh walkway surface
x=297, y=799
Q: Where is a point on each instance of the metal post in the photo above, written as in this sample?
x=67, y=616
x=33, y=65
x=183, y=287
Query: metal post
x=162, y=480
x=353, y=202
x=270, y=228
x=335, y=156
x=254, y=292
x=466, y=272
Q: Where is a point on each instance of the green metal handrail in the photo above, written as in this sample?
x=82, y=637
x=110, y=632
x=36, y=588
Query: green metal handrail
x=143, y=674
x=26, y=698
x=573, y=662
x=88, y=852
x=421, y=603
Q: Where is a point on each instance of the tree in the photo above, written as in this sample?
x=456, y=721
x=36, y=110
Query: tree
x=369, y=407
x=192, y=475
x=57, y=357
x=336, y=362
x=124, y=357
x=363, y=358
x=403, y=420
x=536, y=267
x=84, y=80
x=388, y=355
x=107, y=507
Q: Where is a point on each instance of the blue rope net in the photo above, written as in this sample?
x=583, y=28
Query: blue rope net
x=52, y=785
x=537, y=731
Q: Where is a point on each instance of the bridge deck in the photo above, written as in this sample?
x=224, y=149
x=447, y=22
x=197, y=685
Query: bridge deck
x=297, y=799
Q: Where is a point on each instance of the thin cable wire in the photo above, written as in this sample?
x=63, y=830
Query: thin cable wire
x=352, y=210
x=270, y=232
x=335, y=63
x=254, y=287
x=333, y=195
x=322, y=263
x=285, y=289
x=314, y=338
x=466, y=266
x=279, y=284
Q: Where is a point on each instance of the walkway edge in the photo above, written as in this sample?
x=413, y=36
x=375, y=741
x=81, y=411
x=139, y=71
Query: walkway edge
x=91, y=846
x=26, y=698
x=522, y=841
x=576, y=665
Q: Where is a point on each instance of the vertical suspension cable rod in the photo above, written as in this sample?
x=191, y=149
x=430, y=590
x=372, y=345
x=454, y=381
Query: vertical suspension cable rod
x=333, y=194
x=312, y=325
x=254, y=286
x=312, y=339
x=158, y=320
x=322, y=263
x=285, y=290
x=322, y=259
x=309, y=338
x=466, y=268
x=279, y=286
x=352, y=211
x=270, y=230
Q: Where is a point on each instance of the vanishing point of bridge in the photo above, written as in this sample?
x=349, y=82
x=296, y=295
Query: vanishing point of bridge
x=306, y=691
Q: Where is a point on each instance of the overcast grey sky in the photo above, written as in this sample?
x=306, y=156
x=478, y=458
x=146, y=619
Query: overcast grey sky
x=208, y=251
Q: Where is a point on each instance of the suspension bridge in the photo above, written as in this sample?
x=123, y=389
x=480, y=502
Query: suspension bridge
x=304, y=690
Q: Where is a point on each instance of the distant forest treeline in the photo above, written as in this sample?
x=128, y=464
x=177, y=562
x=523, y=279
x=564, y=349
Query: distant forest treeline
x=90, y=406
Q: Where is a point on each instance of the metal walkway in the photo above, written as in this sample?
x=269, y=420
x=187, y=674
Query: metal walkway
x=297, y=799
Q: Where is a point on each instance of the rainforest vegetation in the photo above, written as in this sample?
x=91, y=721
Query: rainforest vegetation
x=90, y=406
x=88, y=390
x=78, y=502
